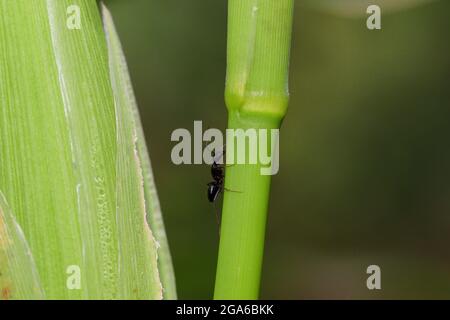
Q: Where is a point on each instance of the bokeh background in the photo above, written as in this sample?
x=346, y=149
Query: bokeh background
x=365, y=157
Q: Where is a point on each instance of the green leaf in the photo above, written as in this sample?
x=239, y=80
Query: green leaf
x=132, y=149
x=18, y=274
x=70, y=162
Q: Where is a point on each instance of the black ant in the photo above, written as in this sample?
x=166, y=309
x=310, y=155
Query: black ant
x=216, y=186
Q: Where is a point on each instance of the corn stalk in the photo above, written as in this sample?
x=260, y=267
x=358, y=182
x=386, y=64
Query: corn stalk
x=259, y=36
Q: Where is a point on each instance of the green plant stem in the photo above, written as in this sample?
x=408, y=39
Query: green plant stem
x=259, y=36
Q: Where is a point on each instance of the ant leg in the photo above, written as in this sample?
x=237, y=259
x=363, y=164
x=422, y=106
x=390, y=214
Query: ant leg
x=229, y=190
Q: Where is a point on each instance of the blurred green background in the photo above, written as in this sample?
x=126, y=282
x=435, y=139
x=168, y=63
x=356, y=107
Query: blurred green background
x=365, y=160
